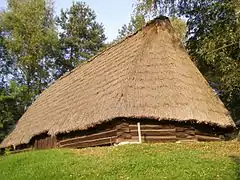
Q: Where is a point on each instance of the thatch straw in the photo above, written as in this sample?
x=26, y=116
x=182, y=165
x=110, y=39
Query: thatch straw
x=146, y=75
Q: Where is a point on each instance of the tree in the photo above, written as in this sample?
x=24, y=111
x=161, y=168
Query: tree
x=180, y=27
x=13, y=102
x=30, y=39
x=152, y=8
x=139, y=18
x=5, y=62
x=81, y=37
x=213, y=41
x=27, y=42
x=137, y=22
x=215, y=47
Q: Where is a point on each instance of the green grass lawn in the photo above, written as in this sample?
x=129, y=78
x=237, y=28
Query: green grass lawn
x=145, y=161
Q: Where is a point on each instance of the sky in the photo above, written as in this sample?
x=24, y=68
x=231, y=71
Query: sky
x=111, y=13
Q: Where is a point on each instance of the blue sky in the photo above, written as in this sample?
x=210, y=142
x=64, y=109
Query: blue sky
x=111, y=13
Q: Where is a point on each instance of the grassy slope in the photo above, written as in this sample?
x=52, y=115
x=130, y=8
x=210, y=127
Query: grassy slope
x=155, y=161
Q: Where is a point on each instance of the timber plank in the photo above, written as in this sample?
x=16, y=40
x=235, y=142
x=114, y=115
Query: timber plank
x=122, y=125
x=154, y=132
x=207, y=138
x=159, y=138
x=144, y=126
x=204, y=133
x=88, y=143
x=181, y=129
x=181, y=134
x=89, y=137
x=160, y=141
x=124, y=135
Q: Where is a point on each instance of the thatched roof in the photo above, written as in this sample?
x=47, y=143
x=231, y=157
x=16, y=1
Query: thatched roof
x=148, y=74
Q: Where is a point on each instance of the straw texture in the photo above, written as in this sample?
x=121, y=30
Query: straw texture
x=147, y=74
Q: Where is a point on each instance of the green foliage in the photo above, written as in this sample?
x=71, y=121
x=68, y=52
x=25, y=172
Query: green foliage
x=216, y=47
x=180, y=27
x=153, y=8
x=137, y=22
x=139, y=18
x=33, y=53
x=145, y=161
x=81, y=37
x=213, y=41
x=27, y=40
x=13, y=102
x=7, y=152
x=30, y=37
x=7, y=64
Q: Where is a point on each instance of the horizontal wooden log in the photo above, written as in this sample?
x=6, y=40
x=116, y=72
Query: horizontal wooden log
x=154, y=132
x=197, y=132
x=190, y=132
x=124, y=135
x=181, y=129
x=161, y=141
x=89, y=143
x=122, y=125
x=123, y=130
x=188, y=137
x=207, y=138
x=149, y=126
x=191, y=137
x=104, y=134
x=158, y=130
x=160, y=137
x=119, y=140
x=155, y=138
x=100, y=142
x=181, y=134
x=186, y=141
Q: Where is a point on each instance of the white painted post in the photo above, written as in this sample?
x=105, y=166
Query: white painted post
x=139, y=133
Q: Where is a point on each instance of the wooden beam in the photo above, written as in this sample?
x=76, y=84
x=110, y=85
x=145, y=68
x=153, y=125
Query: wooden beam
x=156, y=138
x=155, y=132
x=207, y=138
x=146, y=126
x=89, y=137
x=95, y=142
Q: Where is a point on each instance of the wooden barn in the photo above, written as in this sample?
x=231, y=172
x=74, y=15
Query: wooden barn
x=142, y=89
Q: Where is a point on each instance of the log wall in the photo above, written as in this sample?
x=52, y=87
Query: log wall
x=115, y=132
x=150, y=133
x=128, y=132
x=44, y=142
x=96, y=139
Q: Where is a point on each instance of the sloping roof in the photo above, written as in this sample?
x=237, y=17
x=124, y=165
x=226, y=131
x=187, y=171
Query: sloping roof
x=148, y=74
